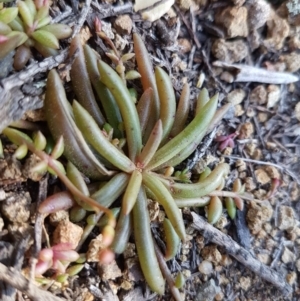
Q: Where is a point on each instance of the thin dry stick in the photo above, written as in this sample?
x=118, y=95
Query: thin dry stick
x=190, y=30
x=38, y=226
x=17, y=280
x=20, y=247
x=241, y=254
x=286, y=170
x=83, y=14
x=20, y=78
x=105, y=11
x=167, y=274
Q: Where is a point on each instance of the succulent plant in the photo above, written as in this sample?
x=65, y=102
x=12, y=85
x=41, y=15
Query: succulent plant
x=28, y=25
x=134, y=149
x=153, y=143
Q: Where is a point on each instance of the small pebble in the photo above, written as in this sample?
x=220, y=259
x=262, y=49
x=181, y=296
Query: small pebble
x=205, y=267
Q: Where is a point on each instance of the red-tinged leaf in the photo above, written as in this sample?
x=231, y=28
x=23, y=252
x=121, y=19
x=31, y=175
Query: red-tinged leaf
x=57, y=202
x=46, y=254
x=41, y=267
x=63, y=246
x=98, y=25
x=68, y=255
x=3, y=39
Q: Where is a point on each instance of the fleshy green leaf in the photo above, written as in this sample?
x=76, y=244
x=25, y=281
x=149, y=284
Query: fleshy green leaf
x=167, y=100
x=61, y=31
x=129, y=114
x=8, y=14
x=26, y=14
x=46, y=38
x=81, y=83
x=145, y=246
x=60, y=122
x=187, y=137
x=172, y=240
x=214, y=210
x=96, y=138
x=164, y=198
x=196, y=190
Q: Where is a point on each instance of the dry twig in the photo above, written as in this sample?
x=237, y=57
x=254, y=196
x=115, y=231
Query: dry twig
x=244, y=73
x=282, y=168
x=240, y=254
x=17, y=280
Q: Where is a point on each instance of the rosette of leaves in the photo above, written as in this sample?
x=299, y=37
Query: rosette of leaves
x=133, y=147
x=28, y=25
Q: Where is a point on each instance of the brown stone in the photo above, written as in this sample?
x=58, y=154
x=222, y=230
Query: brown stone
x=133, y=270
x=245, y=283
x=185, y=45
x=278, y=30
x=246, y=130
x=123, y=24
x=58, y=216
x=273, y=95
x=297, y=111
x=109, y=271
x=249, y=184
x=230, y=52
x=291, y=278
x=94, y=248
x=292, y=61
x=67, y=232
x=16, y=207
x=211, y=253
x=259, y=12
x=236, y=96
x=234, y=20
x=28, y=171
x=273, y=172
x=261, y=176
x=258, y=95
x=187, y=4
x=286, y=218
x=287, y=255
x=257, y=215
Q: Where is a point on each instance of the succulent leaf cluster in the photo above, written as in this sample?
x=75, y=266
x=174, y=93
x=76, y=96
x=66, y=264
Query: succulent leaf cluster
x=156, y=137
x=28, y=25
x=133, y=149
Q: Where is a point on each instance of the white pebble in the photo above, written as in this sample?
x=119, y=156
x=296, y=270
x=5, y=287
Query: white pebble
x=205, y=267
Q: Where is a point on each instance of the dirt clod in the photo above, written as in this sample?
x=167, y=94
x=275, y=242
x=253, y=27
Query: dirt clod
x=230, y=52
x=123, y=24
x=273, y=95
x=16, y=207
x=109, y=271
x=236, y=96
x=58, y=216
x=234, y=20
x=211, y=253
x=246, y=130
x=245, y=283
x=259, y=95
x=292, y=61
x=66, y=231
x=287, y=255
x=10, y=171
x=286, y=218
x=278, y=31
x=261, y=176
x=205, y=267
x=257, y=215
